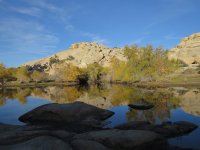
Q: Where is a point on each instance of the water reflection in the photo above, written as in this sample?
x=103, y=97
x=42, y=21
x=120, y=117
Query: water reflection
x=109, y=96
x=173, y=104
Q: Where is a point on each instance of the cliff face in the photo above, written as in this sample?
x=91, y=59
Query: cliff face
x=188, y=50
x=82, y=54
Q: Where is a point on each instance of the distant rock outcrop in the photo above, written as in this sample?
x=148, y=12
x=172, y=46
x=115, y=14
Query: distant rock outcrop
x=80, y=54
x=188, y=50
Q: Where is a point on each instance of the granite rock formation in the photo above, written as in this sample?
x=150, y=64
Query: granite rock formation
x=188, y=50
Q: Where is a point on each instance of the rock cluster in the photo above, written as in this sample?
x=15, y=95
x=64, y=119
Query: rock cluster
x=188, y=50
x=73, y=127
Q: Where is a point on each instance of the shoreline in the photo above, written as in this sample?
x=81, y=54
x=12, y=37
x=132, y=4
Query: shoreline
x=75, y=83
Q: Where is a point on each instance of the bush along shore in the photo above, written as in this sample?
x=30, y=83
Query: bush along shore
x=78, y=126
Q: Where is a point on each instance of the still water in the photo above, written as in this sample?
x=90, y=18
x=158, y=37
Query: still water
x=171, y=104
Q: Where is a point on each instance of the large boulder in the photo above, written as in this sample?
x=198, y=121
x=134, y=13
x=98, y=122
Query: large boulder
x=166, y=129
x=73, y=113
x=81, y=144
x=39, y=143
x=127, y=139
x=11, y=134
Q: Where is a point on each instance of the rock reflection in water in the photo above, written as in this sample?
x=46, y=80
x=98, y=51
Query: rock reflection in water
x=115, y=95
x=190, y=99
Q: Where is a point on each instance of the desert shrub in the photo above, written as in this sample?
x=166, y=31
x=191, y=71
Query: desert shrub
x=189, y=71
x=22, y=74
x=70, y=58
x=181, y=63
x=198, y=69
x=67, y=73
x=53, y=60
x=94, y=71
x=119, y=70
x=39, y=76
x=4, y=73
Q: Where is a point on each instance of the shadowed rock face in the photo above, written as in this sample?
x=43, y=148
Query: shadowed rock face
x=188, y=50
x=78, y=112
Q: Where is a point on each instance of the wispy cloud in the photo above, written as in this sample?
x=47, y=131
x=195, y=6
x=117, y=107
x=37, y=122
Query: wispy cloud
x=57, y=13
x=32, y=11
x=26, y=36
x=171, y=9
x=171, y=37
x=43, y=4
x=94, y=37
x=69, y=28
x=137, y=41
x=31, y=36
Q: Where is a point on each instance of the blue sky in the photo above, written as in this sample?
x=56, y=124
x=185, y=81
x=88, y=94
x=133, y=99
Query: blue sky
x=32, y=29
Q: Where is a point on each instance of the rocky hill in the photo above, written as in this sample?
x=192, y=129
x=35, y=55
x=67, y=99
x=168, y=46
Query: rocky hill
x=81, y=54
x=188, y=50
x=84, y=53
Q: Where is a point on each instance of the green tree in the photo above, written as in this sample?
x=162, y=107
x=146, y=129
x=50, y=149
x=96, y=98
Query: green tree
x=22, y=74
x=68, y=72
x=38, y=76
x=53, y=60
x=143, y=63
x=4, y=74
x=119, y=70
x=94, y=71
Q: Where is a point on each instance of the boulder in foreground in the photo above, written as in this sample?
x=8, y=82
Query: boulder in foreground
x=72, y=113
x=39, y=143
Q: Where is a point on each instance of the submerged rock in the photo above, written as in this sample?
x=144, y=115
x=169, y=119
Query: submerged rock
x=129, y=139
x=167, y=129
x=141, y=105
x=73, y=113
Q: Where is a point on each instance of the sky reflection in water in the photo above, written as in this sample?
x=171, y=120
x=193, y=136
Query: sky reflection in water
x=171, y=104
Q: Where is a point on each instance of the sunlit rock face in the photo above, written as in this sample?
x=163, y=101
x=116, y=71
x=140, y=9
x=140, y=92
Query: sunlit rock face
x=188, y=50
x=81, y=54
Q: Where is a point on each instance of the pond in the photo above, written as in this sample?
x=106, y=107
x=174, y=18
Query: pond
x=171, y=104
